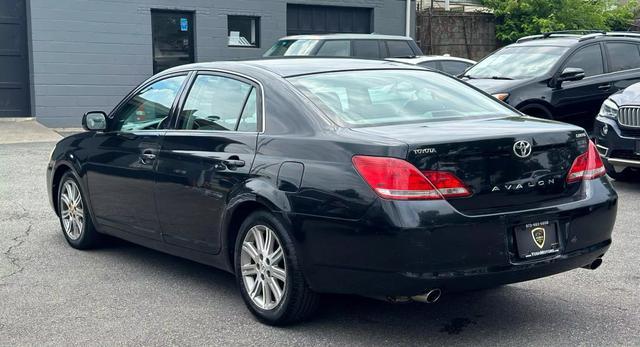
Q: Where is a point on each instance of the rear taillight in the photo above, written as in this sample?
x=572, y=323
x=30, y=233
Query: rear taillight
x=587, y=166
x=447, y=184
x=397, y=179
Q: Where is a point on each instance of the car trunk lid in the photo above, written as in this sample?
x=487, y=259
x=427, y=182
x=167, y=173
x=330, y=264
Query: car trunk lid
x=483, y=154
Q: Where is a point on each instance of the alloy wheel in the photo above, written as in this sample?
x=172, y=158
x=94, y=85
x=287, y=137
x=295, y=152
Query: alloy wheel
x=263, y=267
x=72, y=210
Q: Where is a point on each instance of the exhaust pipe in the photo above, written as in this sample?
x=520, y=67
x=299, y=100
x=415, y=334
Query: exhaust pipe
x=594, y=265
x=429, y=297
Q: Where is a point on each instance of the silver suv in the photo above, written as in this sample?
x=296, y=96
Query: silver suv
x=370, y=46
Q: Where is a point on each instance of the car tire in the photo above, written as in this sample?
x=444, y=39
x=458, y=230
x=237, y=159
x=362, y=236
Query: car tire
x=269, y=273
x=75, y=218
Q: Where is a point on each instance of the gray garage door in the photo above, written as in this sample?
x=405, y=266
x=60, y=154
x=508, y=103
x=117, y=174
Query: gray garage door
x=14, y=59
x=309, y=19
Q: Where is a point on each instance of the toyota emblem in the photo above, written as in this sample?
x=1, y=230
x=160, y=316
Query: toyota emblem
x=522, y=149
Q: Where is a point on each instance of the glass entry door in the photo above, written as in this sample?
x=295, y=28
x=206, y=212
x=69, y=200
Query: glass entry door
x=172, y=33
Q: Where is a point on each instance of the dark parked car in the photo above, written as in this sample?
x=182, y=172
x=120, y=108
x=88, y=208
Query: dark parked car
x=617, y=133
x=369, y=46
x=560, y=75
x=306, y=176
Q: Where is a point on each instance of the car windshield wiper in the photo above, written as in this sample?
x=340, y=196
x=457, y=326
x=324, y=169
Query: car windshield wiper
x=486, y=77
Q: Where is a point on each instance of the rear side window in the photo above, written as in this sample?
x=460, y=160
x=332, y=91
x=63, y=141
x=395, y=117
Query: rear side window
x=291, y=48
x=623, y=56
x=589, y=59
x=453, y=67
x=366, y=49
x=335, y=48
x=398, y=48
x=430, y=65
x=217, y=102
x=249, y=118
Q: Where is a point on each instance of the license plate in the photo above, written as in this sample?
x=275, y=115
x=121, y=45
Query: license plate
x=537, y=239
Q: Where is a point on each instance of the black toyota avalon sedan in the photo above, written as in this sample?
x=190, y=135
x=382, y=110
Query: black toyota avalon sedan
x=306, y=176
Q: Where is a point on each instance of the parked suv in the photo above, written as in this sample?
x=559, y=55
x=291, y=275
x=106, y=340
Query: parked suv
x=560, y=74
x=345, y=45
x=617, y=133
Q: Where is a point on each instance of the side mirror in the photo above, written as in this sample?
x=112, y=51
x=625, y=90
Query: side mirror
x=570, y=74
x=94, y=121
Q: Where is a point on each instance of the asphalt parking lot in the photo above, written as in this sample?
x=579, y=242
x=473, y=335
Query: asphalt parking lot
x=51, y=294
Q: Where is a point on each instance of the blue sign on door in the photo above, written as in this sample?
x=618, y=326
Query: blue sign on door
x=184, y=24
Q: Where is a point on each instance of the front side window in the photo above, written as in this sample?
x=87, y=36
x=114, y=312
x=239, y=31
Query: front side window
x=517, y=62
x=291, y=48
x=335, y=48
x=217, y=102
x=243, y=31
x=623, y=56
x=376, y=97
x=148, y=109
x=589, y=59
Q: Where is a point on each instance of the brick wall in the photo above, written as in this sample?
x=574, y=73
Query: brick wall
x=462, y=34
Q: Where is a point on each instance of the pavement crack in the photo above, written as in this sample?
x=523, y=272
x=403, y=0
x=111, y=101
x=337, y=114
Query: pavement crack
x=18, y=215
x=13, y=258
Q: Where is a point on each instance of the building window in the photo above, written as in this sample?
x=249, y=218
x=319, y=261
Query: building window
x=244, y=31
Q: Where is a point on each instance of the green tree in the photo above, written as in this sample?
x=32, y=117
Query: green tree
x=622, y=17
x=518, y=18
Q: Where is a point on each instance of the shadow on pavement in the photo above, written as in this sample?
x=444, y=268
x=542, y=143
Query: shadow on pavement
x=631, y=185
x=492, y=313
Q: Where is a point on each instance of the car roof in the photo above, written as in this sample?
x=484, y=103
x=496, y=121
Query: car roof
x=346, y=37
x=423, y=58
x=288, y=67
x=567, y=41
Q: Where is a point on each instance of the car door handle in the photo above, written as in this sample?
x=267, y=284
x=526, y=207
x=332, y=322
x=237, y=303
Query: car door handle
x=147, y=156
x=604, y=87
x=233, y=163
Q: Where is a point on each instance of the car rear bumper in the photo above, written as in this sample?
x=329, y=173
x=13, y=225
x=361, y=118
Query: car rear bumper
x=406, y=248
x=408, y=284
x=619, y=147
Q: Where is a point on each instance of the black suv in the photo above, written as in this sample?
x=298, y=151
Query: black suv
x=371, y=46
x=617, y=133
x=560, y=75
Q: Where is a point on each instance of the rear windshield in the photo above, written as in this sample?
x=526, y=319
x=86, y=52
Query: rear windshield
x=377, y=97
x=291, y=47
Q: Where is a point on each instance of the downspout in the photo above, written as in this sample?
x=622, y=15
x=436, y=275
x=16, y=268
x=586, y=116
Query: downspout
x=407, y=19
